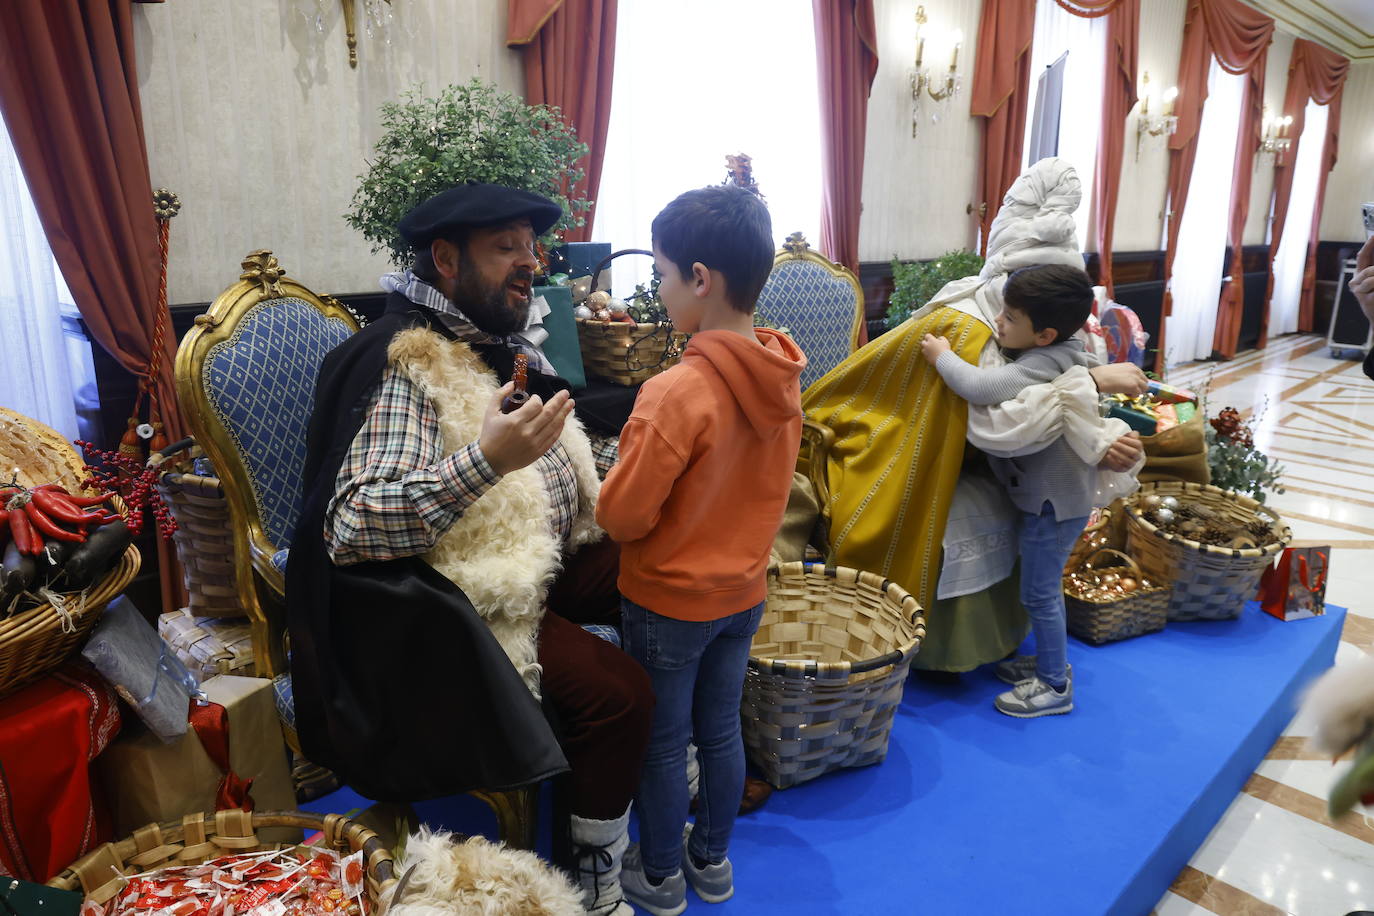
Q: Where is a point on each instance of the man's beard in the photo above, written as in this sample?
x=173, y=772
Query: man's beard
x=485, y=304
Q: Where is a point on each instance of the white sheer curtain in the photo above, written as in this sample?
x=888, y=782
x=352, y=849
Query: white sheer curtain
x=1200, y=261
x=695, y=82
x=1056, y=31
x=1291, y=259
x=37, y=376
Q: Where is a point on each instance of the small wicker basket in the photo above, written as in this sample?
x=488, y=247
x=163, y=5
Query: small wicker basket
x=38, y=639
x=827, y=670
x=625, y=353
x=204, y=537
x=1145, y=610
x=1208, y=583
x=199, y=838
x=1093, y=538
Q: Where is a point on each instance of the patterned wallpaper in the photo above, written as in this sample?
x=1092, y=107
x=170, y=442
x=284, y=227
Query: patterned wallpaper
x=256, y=120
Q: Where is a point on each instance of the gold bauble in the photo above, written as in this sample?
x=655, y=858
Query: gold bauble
x=1128, y=584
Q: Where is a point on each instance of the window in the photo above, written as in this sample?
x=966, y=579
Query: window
x=1199, y=262
x=45, y=368
x=1066, y=98
x=1291, y=259
x=693, y=83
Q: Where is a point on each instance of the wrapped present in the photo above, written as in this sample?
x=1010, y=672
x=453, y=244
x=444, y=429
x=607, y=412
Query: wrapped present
x=1185, y=411
x=1166, y=417
x=49, y=733
x=149, y=781
x=141, y=668
x=1168, y=394
x=208, y=646
x=1136, y=416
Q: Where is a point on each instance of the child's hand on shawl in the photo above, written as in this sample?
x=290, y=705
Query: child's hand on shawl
x=933, y=347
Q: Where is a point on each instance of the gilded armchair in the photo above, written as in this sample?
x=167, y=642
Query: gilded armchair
x=819, y=302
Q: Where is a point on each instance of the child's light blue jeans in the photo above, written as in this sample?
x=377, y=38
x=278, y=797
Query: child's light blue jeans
x=1045, y=547
x=697, y=670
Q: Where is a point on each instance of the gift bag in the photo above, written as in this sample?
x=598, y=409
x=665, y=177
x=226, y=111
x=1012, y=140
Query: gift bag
x=1295, y=587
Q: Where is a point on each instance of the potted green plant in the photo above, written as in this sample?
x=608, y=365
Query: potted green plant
x=914, y=283
x=472, y=131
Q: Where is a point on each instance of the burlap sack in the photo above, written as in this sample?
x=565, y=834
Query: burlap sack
x=798, y=522
x=1179, y=453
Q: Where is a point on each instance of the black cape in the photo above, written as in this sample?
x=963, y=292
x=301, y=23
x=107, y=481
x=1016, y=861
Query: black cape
x=399, y=686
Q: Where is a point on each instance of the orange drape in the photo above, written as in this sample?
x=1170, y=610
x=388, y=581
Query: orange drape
x=1001, y=78
x=1238, y=37
x=569, y=57
x=1317, y=73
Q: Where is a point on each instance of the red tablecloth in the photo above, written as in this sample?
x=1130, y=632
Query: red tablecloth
x=49, y=733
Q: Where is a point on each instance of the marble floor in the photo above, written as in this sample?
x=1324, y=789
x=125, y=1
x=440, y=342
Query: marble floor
x=1274, y=851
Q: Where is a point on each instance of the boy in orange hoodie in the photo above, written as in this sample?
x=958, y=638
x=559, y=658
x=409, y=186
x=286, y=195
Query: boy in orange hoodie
x=695, y=501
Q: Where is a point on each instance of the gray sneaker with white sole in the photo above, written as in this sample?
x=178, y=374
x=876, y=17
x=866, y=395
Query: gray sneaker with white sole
x=716, y=882
x=1033, y=698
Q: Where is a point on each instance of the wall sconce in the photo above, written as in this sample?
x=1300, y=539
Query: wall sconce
x=923, y=83
x=1161, y=125
x=1276, y=140
x=376, y=16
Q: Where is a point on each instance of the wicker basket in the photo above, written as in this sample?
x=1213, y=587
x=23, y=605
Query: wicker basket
x=35, y=641
x=1208, y=583
x=209, y=646
x=204, y=537
x=199, y=838
x=625, y=353
x=1094, y=537
x=1146, y=610
x=826, y=671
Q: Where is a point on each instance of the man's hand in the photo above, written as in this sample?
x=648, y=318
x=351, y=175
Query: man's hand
x=933, y=347
x=511, y=441
x=1123, y=454
x=1120, y=378
x=1362, y=284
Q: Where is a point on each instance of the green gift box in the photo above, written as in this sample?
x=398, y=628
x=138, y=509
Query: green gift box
x=1138, y=420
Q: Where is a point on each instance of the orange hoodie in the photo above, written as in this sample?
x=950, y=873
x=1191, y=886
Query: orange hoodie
x=705, y=469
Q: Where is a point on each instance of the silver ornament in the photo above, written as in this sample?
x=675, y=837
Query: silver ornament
x=1169, y=502
x=582, y=312
x=1164, y=515
x=617, y=307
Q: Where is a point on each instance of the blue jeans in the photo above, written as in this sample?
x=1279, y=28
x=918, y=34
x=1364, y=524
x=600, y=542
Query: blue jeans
x=1045, y=546
x=697, y=670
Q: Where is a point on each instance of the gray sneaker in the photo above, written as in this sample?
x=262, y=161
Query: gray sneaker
x=1021, y=668
x=716, y=882
x=668, y=899
x=1033, y=698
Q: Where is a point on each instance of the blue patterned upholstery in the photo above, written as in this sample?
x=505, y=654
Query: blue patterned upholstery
x=604, y=631
x=286, y=702
x=279, y=559
x=817, y=309
x=261, y=385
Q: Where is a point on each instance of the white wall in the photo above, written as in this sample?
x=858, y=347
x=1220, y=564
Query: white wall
x=256, y=121
x=1352, y=180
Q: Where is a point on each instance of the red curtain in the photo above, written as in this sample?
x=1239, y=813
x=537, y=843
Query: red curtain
x=1238, y=37
x=569, y=56
x=1118, y=98
x=69, y=93
x=1317, y=73
x=846, y=62
x=1001, y=79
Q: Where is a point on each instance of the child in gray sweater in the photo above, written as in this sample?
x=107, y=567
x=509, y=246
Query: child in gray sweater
x=1043, y=306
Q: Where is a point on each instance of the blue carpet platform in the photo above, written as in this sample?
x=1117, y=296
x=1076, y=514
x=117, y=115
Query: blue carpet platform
x=974, y=812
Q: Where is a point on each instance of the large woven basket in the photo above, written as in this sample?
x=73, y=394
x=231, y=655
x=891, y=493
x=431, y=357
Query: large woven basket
x=1208, y=583
x=199, y=838
x=826, y=671
x=38, y=639
x=1146, y=610
x=204, y=537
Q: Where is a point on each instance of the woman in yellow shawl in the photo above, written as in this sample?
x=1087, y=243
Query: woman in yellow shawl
x=899, y=452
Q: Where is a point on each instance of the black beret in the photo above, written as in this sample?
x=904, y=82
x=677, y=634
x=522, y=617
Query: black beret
x=475, y=204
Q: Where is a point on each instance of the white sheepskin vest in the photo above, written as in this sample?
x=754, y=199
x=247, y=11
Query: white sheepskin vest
x=502, y=552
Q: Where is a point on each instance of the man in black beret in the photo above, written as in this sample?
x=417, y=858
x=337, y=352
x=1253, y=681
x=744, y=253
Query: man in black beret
x=447, y=552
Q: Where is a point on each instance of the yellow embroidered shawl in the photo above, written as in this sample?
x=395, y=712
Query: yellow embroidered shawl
x=899, y=447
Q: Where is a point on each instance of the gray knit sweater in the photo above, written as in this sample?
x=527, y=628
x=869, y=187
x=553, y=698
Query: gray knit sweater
x=1055, y=474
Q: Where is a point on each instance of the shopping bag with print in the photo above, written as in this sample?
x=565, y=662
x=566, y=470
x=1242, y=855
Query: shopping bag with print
x=1295, y=587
